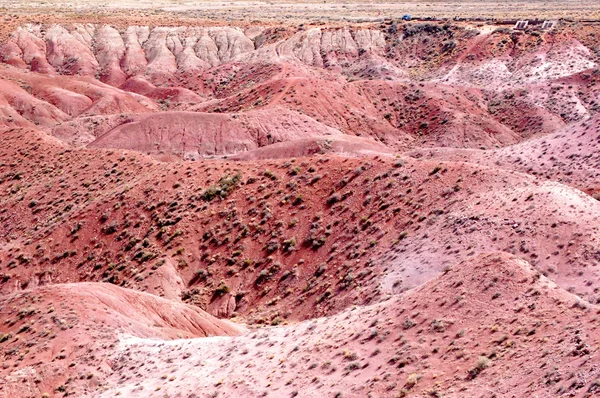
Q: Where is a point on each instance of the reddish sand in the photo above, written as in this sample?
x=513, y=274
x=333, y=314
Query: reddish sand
x=382, y=210
x=441, y=85
x=57, y=334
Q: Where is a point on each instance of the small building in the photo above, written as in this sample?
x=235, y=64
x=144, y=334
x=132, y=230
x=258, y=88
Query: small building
x=521, y=25
x=547, y=25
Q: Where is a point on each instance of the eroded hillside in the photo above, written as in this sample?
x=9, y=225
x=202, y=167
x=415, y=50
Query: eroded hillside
x=380, y=209
x=398, y=85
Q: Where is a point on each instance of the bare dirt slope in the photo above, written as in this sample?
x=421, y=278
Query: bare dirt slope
x=374, y=208
x=57, y=336
x=475, y=330
x=255, y=238
x=400, y=85
x=569, y=156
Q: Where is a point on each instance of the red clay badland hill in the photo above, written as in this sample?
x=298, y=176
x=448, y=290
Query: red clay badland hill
x=570, y=156
x=401, y=85
x=155, y=179
x=57, y=336
x=490, y=326
x=253, y=239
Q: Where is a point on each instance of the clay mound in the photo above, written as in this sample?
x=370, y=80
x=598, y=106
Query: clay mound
x=193, y=135
x=334, y=49
x=487, y=321
x=162, y=53
x=45, y=101
x=167, y=96
x=123, y=310
x=349, y=229
x=484, y=57
x=21, y=109
x=524, y=114
x=504, y=58
x=342, y=145
x=82, y=130
x=569, y=156
x=53, y=334
x=477, y=88
x=397, y=113
x=236, y=77
x=326, y=99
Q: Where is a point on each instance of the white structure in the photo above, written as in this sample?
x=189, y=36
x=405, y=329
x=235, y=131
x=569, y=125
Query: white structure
x=521, y=25
x=548, y=25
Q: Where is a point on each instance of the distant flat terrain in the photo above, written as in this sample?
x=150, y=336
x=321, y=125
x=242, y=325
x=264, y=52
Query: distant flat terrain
x=324, y=10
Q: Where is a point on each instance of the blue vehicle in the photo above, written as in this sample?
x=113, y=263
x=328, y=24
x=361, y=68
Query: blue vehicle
x=406, y=17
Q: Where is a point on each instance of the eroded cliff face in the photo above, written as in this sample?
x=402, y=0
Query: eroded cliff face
x=160, y=52
x=113, y=54
x=399, y=86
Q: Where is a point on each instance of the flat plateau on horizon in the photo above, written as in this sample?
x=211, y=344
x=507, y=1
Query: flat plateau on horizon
x=325, y=10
